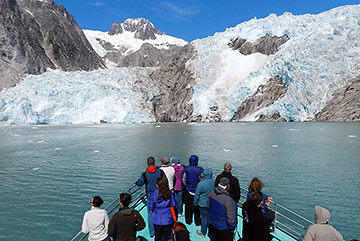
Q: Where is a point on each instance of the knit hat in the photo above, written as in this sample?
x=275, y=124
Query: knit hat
x=164, y=160
x=224, y=182
x=175, y=160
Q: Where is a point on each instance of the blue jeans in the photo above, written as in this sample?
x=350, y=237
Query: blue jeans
x=150, y=218
x=204, y=214
x=178, y=200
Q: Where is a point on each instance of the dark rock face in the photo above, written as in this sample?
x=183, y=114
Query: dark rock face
x=266, y=45
x=143, y=28
x=116, y=28
x=36, y=35
x=174, y=81
x=344, y=105
x=146, y=56
x=264, y=96
x=276, y=117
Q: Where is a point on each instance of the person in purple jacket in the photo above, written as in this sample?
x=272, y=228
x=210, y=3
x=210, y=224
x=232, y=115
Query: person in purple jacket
x=179, y=169
x=190, y=179
x=160, y=202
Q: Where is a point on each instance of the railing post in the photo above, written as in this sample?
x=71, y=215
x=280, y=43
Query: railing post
x=275, y=216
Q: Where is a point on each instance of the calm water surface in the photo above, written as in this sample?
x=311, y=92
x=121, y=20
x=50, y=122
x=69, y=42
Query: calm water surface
x=49, y=173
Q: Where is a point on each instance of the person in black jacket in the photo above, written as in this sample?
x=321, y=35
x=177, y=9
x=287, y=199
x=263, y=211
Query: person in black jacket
x=234, y=190
x=255, y=225
x=124, y=224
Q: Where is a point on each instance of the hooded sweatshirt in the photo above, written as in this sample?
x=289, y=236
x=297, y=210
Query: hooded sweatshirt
x=149, y=178
x=192, y=174
x=322, y=231
x=124, y=224
x=179, y=169
x=203, y=188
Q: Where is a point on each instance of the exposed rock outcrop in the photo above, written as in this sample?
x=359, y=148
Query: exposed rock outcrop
x=36, y=35
x=116, y=28
x=142, y=27
x=275, y=117
x=267, y=45
x=175, y=82
x=264, y=96
x=344, y=105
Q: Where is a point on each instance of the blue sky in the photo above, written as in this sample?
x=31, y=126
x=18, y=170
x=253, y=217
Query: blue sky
x=189, y=19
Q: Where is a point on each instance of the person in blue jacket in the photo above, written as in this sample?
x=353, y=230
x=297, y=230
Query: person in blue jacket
x=149, y=178
x=223, y=214
x=191, y=178
x=202, y=192
x=160, y=203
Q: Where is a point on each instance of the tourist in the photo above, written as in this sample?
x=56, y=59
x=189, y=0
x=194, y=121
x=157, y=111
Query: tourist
x=256, y=185
x=191, y=178
x=179, y=169
x=202, y=192
x=160, y=204
x=223, y=212
x=149, y=178
x=255, y=225
x=95, y=221
x=234, y=182
x=322, y=230
x=168, y=170
x=126, y=222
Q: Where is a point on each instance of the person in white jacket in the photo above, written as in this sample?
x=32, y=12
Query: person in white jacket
x=96, y=221
x=322, y=230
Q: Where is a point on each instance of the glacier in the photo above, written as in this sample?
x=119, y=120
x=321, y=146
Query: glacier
x=321, y=55
x=115, y=95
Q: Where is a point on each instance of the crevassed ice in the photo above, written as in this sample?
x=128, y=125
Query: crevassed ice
x=322, y=52
x=114, y=95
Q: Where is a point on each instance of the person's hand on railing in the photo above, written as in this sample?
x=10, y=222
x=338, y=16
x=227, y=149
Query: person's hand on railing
x=268, y=200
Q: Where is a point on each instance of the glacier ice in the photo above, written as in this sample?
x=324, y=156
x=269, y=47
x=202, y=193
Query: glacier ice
x=322, y=52
x=113, y=95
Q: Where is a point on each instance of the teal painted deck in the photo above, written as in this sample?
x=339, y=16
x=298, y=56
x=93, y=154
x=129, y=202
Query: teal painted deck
x=278, y=234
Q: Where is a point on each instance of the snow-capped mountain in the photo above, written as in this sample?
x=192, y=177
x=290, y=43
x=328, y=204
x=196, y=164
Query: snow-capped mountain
x=135, y=42
x=280, y=68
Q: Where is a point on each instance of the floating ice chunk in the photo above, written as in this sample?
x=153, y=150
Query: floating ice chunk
x=42, y=141
x=274, y=146
x=192, y=123
x=34, y=128
x=294, y=129
x=321, y=129
x=30, y=141
x=35, y=168
x=226, y=150
x=185, y=133
x=96, y=151
x=158, y=126
x=352, y=136
x=58, y=148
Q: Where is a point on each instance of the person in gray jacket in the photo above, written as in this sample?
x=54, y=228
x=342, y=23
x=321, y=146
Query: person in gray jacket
x=321, y=230
x=202, y=191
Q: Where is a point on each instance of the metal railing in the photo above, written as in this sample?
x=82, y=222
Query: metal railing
x=286, y=220
x=138, y=196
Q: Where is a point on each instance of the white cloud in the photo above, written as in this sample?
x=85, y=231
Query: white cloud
x=98, y=4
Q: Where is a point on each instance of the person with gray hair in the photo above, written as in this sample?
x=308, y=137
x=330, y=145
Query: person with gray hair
x=322, y=230
x=234, y=189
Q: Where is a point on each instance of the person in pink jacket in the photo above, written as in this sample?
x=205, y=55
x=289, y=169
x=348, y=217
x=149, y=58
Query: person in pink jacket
x=179, y=170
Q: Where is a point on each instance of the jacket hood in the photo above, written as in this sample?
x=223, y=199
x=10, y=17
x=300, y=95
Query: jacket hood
x=207, y=174
x=220, y=191
x=322, y=215
x=126, y=211
x=193, y=160
x=175, y=160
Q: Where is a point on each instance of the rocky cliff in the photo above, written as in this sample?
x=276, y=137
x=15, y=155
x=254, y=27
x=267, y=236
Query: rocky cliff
x=36, y=35
x=344, y=104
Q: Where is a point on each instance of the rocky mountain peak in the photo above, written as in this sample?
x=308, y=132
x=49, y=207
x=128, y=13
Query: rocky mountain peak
x=142, y=27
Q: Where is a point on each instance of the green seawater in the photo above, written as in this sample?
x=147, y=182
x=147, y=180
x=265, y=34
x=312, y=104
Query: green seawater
x=49, y=173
